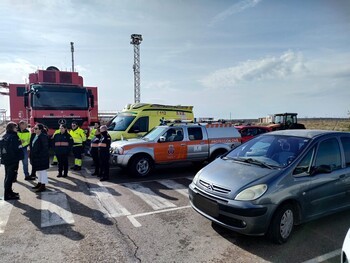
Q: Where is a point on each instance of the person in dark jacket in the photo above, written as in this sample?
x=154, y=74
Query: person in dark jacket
x=62, y=145
x=14, y=154
x=94, y=151
x=39, y=156
x=103, y=151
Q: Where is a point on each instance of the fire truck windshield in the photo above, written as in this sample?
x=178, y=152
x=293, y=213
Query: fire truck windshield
x=59, y=97
x=121, y=122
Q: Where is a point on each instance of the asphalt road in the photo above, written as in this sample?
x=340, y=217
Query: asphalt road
x=80, y=219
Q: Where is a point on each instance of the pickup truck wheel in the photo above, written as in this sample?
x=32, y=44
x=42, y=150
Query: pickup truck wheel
x=216, y=154
x=141, y=166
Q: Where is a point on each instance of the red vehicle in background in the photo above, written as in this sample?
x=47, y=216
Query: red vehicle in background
x=54, y=97
x=248, y=132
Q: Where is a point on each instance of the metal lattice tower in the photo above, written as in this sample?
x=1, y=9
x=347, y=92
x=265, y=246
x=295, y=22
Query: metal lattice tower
x=136, y=41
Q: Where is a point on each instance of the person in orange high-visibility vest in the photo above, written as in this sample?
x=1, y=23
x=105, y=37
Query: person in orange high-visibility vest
x=79, y=138
x=62, y=145
x=103, y=151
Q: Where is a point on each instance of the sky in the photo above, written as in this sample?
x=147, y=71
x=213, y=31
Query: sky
x=229, y=59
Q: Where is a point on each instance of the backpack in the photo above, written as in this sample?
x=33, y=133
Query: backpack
x=3, y=150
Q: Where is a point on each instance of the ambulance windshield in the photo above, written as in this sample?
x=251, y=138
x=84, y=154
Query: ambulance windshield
x=121, y=122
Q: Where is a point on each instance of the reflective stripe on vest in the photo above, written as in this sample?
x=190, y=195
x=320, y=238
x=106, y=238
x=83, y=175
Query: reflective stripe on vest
x=61, y=144
x=94, y=144
x=102, y=145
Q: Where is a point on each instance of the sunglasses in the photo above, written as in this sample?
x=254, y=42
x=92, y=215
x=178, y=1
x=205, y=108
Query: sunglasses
x=36, y=128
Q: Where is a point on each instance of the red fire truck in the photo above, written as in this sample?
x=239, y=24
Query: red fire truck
x=54, y=97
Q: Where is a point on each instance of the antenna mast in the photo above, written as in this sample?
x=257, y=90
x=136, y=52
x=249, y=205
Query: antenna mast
x=136, y=41
x=72, y=50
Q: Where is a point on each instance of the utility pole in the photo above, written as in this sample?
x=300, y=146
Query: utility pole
x=136, y=41
x=72, y=50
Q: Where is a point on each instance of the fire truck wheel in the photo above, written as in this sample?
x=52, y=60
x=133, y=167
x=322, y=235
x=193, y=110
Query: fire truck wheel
x=141, y=165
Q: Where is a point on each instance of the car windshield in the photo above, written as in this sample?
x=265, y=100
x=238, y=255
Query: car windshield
x=121, y=122
x=154, y=133
x=269, y=151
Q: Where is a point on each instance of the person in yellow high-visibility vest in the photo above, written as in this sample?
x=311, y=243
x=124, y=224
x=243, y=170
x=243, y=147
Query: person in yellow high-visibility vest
x=79, y=138
x=24, y=135
x=54, y=159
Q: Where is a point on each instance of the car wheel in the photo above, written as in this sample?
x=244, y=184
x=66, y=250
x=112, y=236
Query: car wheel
x=282, y=224
x=141, y=166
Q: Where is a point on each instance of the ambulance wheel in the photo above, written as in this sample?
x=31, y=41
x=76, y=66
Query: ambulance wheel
x=141, y=165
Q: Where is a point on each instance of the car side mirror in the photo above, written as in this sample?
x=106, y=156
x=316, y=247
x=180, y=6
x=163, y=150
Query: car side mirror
x=322, y=169
x=161, y=139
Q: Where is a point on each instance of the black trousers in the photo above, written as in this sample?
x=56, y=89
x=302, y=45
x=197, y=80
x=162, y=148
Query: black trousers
x=10, y=175
x=104, y=165
x=62, y=163
x=96, y=162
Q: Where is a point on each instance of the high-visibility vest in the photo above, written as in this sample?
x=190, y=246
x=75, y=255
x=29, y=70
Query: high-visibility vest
x=78, y=136
x=92, y=133
x=24, y=137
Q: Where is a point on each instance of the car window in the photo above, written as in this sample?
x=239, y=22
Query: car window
x=303, y=168
x=328, y=153
x=346, y=146
x=195, y=133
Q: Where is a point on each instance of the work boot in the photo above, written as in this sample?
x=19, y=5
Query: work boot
x=66, y=175
x=29, y=178
x=41, y=188
x=73, y=167
x=11, y=196
x=54, y=163
x=37, y=186
x=78, y=168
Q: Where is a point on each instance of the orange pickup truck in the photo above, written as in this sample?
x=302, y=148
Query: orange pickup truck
x=174, y=143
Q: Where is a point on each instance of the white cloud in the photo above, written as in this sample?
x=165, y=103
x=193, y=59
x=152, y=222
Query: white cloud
x=234, y=9
x=287, y=64
x=16, y=71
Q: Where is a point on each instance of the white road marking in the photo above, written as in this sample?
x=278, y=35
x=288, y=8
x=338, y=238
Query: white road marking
x=146, y=194
x=324, y=257
x=171, y=184
x=137, y=223
x=5, y=208
x=55, y=209
x=108, y=202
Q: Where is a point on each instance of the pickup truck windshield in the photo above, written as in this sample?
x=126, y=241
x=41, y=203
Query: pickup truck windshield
x=59, y=97
x=121, y=122
x=154, y=133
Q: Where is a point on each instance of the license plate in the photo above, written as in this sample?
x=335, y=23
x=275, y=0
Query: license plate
x=207, y=206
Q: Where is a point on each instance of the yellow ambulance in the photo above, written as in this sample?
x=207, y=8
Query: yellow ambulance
x=137, y=119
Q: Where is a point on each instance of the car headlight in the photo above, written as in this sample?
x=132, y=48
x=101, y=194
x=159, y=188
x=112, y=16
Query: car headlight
x=117, y=150
x=195, y=179
x=252, y=193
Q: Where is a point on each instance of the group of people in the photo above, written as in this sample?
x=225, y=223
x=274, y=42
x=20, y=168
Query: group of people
x=18, y=139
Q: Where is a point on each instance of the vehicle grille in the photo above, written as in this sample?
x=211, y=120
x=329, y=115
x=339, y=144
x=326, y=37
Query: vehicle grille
x=214, y=188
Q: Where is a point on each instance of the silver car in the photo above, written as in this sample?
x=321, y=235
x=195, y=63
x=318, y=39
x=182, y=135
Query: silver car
x=275, y=181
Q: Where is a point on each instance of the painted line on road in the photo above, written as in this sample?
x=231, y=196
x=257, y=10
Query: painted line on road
x=55, y=209
x=171, y=184
x=5, y=208
x=137, y=223
x=324, y=257
x=147, y=195
x=111, y=206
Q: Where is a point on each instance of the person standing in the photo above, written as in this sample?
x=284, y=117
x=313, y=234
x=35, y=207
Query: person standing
x=79, y=138
x=14, y=154
x=103, y=148
x=94, y=151
x=92, y=135
x=54, y=158
x=62, y=145
x=24, y=135
x=39, y=156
